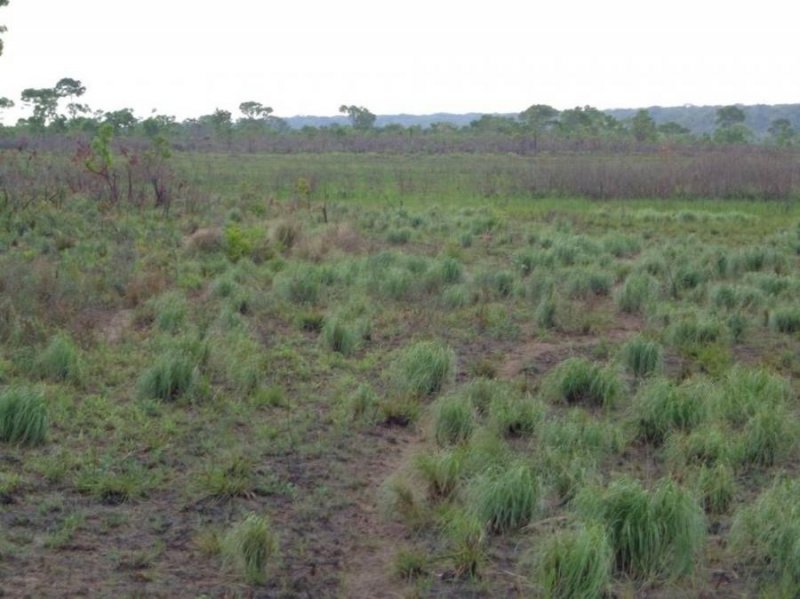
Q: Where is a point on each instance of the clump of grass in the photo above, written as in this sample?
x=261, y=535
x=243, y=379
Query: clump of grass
x=300, y=285
x=576, y=563
x=638, y=291
x=515, y=416
x=654, y=533
x=505, y=499
x=546, y=314
x=442, y=471
x=769, y=435
x=662, y=407
x=716, y=487
x=340, y=337
x=59, y=361
x=457, y=296
x=643, y=357
x=482, y=391
x=172, y=377
x=466, y=539
x=451, y=271
x=400, y=410
x=454, y=420
x=171, y=310
x=584, y=284
x=785, y=320
x=709, y=446
x=577, y=380
x=766, y=536
x=426, y=367
x=744, y=391
x=250, y=547
x=409, y=564
x=363, y=405
x=233, y=478
x=691, y=331
x=23, y=416
x=398, y=236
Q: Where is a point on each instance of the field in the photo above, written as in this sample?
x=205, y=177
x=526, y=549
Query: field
x=335, y=375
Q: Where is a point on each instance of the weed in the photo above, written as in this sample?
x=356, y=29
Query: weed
x=23, y=416
x=250, y=547
x=409, y=564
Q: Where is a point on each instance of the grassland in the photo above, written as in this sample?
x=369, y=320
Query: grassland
x=377, y=376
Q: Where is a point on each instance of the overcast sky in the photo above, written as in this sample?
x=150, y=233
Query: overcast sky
x=188, y=57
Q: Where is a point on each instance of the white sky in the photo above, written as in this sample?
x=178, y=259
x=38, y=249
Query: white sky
x=187, y=57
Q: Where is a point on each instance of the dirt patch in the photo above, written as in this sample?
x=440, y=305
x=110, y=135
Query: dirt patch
x=115, y=329
x=368, y=567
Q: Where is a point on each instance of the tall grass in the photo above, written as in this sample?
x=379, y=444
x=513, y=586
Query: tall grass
x=576, y=563
x=636, y=293
x=505, y=499
x=656, y=533
x=577, y=380
x=642, y=357
x=59, y=361
x=766, y=536
x=426, y=367
x=453, y=421
x=662, y=407
x=170, y=378
x=23, y=416
x=250, y=547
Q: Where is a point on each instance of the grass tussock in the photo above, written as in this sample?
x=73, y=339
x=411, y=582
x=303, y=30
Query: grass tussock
x=579, y=381
x=250, y=548
x=505, y=499
x=426, y=367
x=576, y=563
x=23, y=416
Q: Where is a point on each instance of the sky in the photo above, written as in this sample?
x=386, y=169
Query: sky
x=189, y=57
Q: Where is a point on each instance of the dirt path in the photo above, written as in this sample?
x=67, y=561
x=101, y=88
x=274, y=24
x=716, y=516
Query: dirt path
x=368, y=567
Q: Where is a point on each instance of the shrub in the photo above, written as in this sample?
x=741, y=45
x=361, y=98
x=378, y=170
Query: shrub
x=454, y=420
x=652, y=533
x=250, y=547
x=576, y=564
x=642, y=357
x=171, y=378
x=636, y=293
x=505, y=499
x=59, y=361
x=661, y=407
x=425, y=367
x=577, y=380
x=23, y=416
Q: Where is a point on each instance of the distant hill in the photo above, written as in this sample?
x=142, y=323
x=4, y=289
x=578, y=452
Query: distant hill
x=698, y=119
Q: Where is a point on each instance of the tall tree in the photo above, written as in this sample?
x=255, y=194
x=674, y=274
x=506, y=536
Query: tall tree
x=254, y=110
x=45, y=105
x=729, y=115
x=538, y=119
x=360, y=117
x=782, y=132
x=643, y=126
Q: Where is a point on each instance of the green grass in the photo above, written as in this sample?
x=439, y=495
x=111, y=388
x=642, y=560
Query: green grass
x=453, y=420
x=426, y=367
x=579, y=381
x=638, y=291
x=662, y=407
x=766, y=536
x=642, y=357
x=171, y=378
x=250, y=548
x=654, y=533
x=23, y=416
x=505, y=499
x=60, y=362
x=576, y=563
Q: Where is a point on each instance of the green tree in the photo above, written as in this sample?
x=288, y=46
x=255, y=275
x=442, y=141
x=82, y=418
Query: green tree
x=728, y=116
x=360, y=117
x=672, y=129
x=643, y=126
x=782, y=132
x=121, y=121
x=45, y=105
x=254, y=110
x=539, y=119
